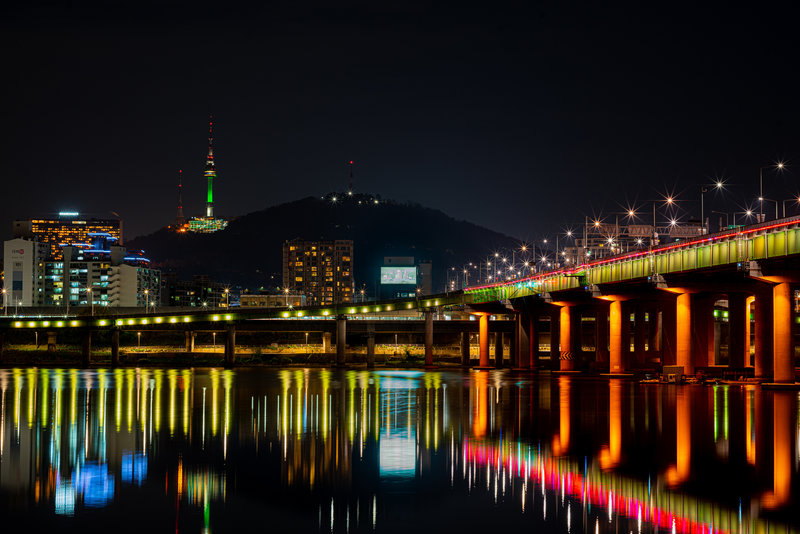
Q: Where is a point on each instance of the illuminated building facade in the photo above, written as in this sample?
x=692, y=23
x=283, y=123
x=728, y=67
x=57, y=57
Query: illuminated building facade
x=24, y=282
x=320, y=270
x=68, y=229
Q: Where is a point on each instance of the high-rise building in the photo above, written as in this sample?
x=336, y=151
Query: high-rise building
x=68, y=229
x=24, y=280
x=320, y=270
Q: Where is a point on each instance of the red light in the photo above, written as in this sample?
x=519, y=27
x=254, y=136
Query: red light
x=351, y=162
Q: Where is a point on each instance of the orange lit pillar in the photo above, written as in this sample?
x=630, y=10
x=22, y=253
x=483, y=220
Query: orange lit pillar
x=683, y=333
x=616, y=361
x=567, y=350
x=738, y=327
x=610, y=456
x=763, y=334
x=483, y=340
x=783, y=365
x=781, y=450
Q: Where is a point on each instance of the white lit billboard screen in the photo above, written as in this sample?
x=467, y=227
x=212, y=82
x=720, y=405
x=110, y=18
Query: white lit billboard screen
x=399, y=275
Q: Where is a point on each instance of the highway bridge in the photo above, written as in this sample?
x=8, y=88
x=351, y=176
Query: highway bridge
x=645, y=309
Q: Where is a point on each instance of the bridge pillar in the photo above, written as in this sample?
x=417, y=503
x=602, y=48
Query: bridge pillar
x=465, y=349
x=513, y=345
x=341, y=339
x=230, y=345
x=639, y=335
x=704, y=330
x=533, y=341
x=783, y=365
x=371, y=347
x=748, y=307
x=326, y=342
x=668, y=330
x=188, y=338
x=738, y=331
x=86, y=348
x=763, y=334
x=428, y=338
x=483, y=341
x=654, y=320
x=569, y=336
x=555, y=337
x=601, y=333
x=617, y=362
x=51, y=342
x=115, y=347
x=498, y=350
x=683, y=333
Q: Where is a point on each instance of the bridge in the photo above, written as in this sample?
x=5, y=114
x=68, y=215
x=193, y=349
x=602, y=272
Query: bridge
x=647, y=309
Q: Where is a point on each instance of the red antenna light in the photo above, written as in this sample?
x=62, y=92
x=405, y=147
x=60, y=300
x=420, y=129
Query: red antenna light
x=351, y=162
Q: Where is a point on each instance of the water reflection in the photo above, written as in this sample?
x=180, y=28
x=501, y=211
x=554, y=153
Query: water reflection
x=390, y=450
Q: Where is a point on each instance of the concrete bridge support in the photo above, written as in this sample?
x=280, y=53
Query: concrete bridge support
x=483, y=341
x=51, y=342
x=569, y=336
x=428, y=338
x=739, y=330
x=617, y=362
x=763, y=334
x=341, y=339
x=326, y=342
x=371, y=347
x=115, y=347
x=555, y=336
x=230, y=345
x=533, y=341
x=783, y=365
x=513, y=345
x=498, y=350
x=465, y=349
x=601, y=333
x=86, y=349
x=188, y=340
x=683, y=333
x=703, y=328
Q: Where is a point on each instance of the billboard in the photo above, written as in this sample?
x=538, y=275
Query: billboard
x=398, y=275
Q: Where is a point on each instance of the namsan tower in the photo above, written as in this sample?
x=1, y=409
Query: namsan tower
x=180, y=220
x=211, y=170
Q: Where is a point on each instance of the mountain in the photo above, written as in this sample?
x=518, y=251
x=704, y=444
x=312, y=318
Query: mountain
x=249, y=250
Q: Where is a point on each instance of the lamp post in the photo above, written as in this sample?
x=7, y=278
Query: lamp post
x=5, y=307
x=227, y=294
x=796, y=199
x=779, y=166
x=727, y=219
x=90, y=295
x=748, y=214
x=138, y=340
x=146, y=301
x=703, y=190
x=761, y=201
x=286, y=295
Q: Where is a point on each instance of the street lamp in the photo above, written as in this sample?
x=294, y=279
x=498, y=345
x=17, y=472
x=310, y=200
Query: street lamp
x=91, y=297
x=748, y=214
x=718, y=185
x=5, y=307
x=227, y=293
x=779, y=166
x=796, y=199
x=146, y=301
x=286, y=295
x=138, y=340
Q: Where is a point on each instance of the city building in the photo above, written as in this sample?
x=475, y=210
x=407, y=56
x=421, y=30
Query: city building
x=271, y=300
x=23, y=261
x=69, y=228
x=403, y=277
x=93, y=273
x=199, y=292
x=320, y=270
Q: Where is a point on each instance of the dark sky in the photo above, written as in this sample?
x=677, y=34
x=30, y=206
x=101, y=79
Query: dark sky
x=522, y=117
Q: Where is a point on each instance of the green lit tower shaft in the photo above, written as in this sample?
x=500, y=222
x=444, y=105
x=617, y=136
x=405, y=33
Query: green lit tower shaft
x=211, y=170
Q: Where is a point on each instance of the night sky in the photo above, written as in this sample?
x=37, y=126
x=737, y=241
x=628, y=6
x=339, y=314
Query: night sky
x=521, y=117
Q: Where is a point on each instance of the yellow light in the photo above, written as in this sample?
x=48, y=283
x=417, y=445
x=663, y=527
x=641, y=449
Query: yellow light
x=46, y=323
x=119, y=322
x=352, y=310
x=186, y=319
x=74, y=323
x=173, y=320
x=103, y=323
x=144, y=321
x=364, y=310
x=31, y=323
x=158, y=319
x=227, y=317
x=388, y=308
x=286, y=314
x=59, y=323
x=377, y=308
x=409, y=305
x=17, y=324
x=130, y=321
x=215, y=318
x=299, y=314
x=325, y=313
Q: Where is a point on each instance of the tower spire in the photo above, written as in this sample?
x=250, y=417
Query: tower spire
x=350, y=186
x=211, y=171
x=180, y=220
